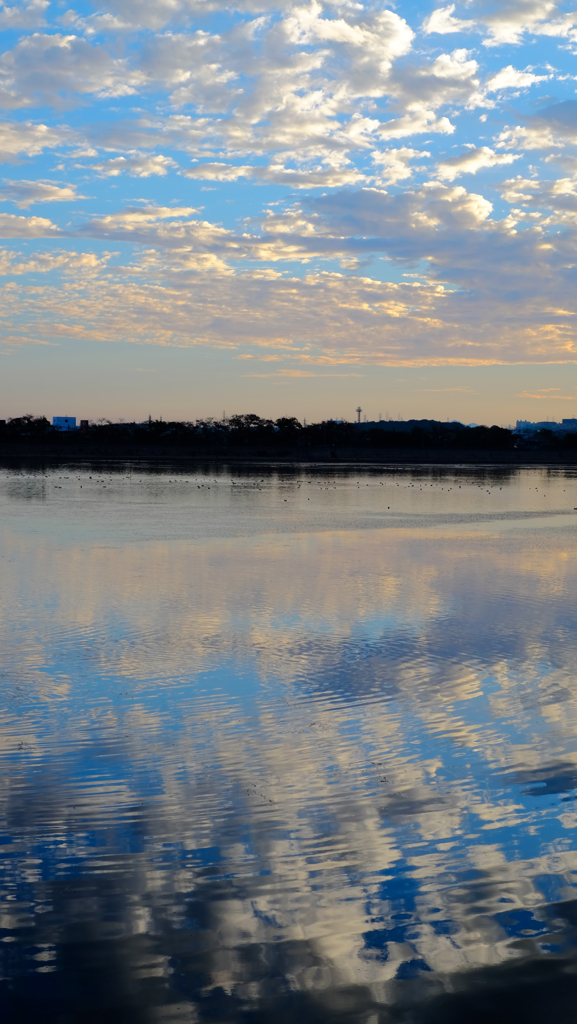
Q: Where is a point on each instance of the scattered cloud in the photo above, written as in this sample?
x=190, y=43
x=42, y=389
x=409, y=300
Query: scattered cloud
x=510, y=78
x=25, y=193
x=471, y=161
x=29, y=139
x=395, y=163
x=548, y=397
x=12, y=226
x=219, y=172
x=343, y=133
x=137, y=165
x=44, y=69
x=24, y=16
x=506, y=24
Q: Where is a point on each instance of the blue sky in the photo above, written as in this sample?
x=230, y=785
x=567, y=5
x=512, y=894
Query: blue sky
x=289, y=209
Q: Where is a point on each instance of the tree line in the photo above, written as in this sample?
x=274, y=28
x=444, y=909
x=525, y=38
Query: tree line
x=266, y=436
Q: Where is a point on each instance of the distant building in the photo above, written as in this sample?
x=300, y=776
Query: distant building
x=64, y=422
x=567, y=426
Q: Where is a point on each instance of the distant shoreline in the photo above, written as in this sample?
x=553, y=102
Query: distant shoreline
x=58, y=454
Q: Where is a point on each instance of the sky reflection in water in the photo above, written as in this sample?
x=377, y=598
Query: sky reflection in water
x=292, y=747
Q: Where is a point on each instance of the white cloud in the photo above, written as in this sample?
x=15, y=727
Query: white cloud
x=279, y=174
x=191, y=66
x=137, y=165
x=420, y=89
x=137, y=215
x=464, y=313
x=510, y=78
x=511, y=22
x=46, y=68
x=335, y=224
x=25, y=193
x=16, y=264
x=94, y=24
x=534, y=200
x=336, y=318
x=416, y=122
x=12, y=226
x=456, y=65
x=506, y=24
x=219, y=172
x=304, y=97
x=442, y=22
x=471, y=161
x=31, y=16
x=131, y=15
x=365, y=44
x=28, y=139
x=313, y=177
x=395, y=163
x=535, y=136
x=553, y=128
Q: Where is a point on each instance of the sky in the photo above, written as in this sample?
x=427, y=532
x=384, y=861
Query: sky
x=288, y=209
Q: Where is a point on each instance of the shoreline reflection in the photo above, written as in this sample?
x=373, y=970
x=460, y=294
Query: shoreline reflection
x=289, y=775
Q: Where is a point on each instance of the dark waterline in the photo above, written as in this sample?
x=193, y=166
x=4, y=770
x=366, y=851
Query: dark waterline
x=288, y=746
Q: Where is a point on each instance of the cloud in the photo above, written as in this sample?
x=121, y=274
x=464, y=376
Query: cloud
x=30, y=139
x=130, y=15
x=346, y=100
x=553, y=127
x=219, y=172
x=24, y=193
x=137, y=165
x=14, y=264
x=191, y=65
x=43, y=69
x=471, y=161
x=442, y=22
x=420, y=89
x=550, y=203
x=365, y=44
x=345, y=224
x=125, y=223
x=510, y=78
x=311, y=177
x=395, y=163
x=547, y=395
x=12, y=226
x=278, y=174
x=30, y=16
x=416, y=122
x=326, y=317
x=506, y=24
x=534, y=136
x=390, y=222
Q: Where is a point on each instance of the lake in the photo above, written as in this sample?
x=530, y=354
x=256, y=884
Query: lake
x=288, y=746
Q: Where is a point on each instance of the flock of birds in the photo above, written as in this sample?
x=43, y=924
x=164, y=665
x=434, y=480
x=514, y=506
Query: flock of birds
x=259, y=484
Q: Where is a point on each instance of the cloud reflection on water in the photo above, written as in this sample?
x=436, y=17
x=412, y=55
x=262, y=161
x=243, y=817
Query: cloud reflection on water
x=318, y=775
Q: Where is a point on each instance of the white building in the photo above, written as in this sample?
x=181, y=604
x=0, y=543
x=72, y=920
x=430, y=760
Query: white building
x=64, y=422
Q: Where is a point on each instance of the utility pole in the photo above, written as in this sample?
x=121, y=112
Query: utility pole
x=359, y=411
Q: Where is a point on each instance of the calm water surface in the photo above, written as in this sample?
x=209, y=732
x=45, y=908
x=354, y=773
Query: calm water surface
x=288, y=747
